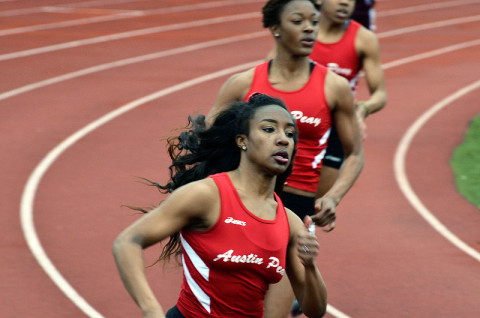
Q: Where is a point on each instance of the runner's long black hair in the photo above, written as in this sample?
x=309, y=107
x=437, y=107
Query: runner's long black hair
x=200, y=151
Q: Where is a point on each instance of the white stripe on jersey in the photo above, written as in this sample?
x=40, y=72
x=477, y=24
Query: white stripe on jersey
x=202, y=268
x=318, y=158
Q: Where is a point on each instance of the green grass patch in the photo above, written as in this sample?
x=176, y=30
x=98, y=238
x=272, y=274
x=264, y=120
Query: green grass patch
x=466, y=164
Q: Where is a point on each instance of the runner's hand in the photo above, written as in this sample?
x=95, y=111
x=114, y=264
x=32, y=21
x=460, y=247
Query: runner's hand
x=307, y=243
x=325, y=208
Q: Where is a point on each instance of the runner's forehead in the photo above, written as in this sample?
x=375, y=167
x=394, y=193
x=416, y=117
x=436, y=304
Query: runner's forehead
x=273, y=113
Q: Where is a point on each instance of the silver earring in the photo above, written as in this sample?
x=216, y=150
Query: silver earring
x=244, y=147
x=276, y=35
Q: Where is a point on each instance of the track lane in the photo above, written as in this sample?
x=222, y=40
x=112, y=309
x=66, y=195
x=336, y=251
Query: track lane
x=176, y=99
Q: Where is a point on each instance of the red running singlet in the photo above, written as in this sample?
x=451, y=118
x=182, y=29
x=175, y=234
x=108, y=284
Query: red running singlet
x=227, y=268
x=341, y=57
x=309, y=106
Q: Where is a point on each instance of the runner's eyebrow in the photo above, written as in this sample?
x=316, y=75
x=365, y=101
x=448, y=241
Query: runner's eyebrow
x=276, y=121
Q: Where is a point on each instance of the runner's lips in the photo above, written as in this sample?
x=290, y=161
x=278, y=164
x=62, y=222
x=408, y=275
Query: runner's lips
x=281, y=157
x=308, y=41
x=342, y=13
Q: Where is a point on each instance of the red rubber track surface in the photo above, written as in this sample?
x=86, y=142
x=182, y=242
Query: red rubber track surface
x=382, y=260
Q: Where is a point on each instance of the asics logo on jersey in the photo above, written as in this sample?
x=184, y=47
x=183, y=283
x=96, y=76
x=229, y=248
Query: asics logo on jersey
x=233, y=221
x=334, y=67
x=298, y=115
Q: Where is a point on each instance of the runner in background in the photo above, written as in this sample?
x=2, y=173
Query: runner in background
x=348, y=49
x=364, y=13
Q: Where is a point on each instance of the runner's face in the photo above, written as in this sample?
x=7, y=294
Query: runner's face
x=338, y=11
x=270, y=142
x=298, y=27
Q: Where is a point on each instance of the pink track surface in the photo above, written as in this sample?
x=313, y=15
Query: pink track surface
x=382, y=260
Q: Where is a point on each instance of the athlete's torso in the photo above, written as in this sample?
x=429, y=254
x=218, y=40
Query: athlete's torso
x=341, y=57
x=309, y=106
x=227, y=268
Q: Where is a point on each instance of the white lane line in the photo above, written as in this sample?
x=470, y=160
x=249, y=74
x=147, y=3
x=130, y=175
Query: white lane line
x=197, y=23
x=117, y=15
x=429, y=54
x=335, y=312
x=129, y=34
x=424, y=7
x=404, y=185
x=401, y=174
x=202, y=45
x=214, y=4
x=64, y=24
x=428, y=26
x=31, y=237
x=96, y=3
x=60, y=7
x=15, y=12
x=133, y=60
x=66, y=7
